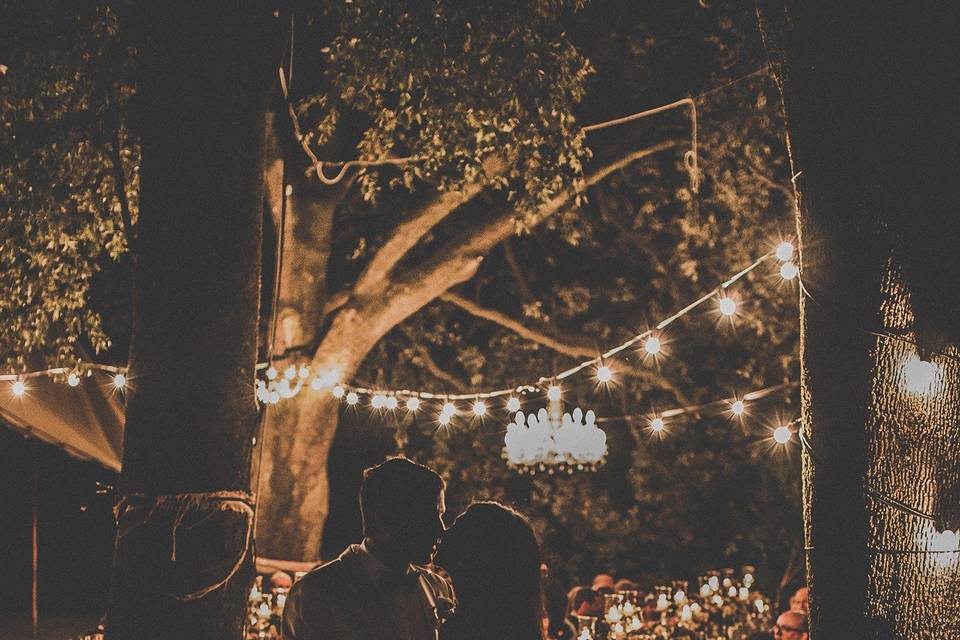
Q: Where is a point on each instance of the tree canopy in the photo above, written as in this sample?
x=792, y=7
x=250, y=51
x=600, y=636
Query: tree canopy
x=415, y=267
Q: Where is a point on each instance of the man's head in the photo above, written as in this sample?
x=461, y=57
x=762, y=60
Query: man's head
x=800, y=601
x=602, y=581
x=402, y=505
x=791, y=625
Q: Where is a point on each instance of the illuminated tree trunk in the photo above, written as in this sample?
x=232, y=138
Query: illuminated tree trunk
x=205, y=74
x=864, y=89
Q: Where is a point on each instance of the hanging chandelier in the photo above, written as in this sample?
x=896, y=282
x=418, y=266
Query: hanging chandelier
x=552, y=440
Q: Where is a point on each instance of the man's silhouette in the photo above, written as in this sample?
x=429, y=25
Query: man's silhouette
x=377, y=590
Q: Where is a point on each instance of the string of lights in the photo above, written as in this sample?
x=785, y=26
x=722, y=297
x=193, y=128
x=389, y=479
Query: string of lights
x=277, y=386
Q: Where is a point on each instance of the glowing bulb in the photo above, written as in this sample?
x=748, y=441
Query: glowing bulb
x=352, y=398
x=657, y=424
x=788, y=271
x=271, y=373
x=553, y=393
x=18, y=388
x=378, y=401
x=728, y=306
x=759, y=605
x=920, y=377
x=290, y=373
x=338, y=391
x=448, y=409
x=304, y=372
x=513, y=405
x=413, y=404
x=391, y=403
x=652, y=345
x=782, y=435
x=738, y=407
x=444, y=419
x=73, y=379
x=604, y=374
x=119, y=381
x=479, y=408
x=784, y=251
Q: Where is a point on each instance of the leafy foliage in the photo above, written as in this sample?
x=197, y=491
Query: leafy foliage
x=59, y=218
x=451, y=83
x=712, y=492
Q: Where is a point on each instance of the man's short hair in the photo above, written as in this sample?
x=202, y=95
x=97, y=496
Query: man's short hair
x=581, y=595
x=396, y=486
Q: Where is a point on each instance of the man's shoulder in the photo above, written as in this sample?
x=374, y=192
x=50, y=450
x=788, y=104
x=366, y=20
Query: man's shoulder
x=327, y=574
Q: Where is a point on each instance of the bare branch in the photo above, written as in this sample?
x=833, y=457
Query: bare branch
x=567, y=346
x=435, y=370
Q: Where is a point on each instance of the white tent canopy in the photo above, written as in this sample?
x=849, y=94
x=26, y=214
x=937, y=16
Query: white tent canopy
x=86, y=421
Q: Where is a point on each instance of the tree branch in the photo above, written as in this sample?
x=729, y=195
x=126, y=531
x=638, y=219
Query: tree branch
x=566, y=346
x=409, y=232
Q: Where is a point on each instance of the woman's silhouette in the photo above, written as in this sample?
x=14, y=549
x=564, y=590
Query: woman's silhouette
x=493, y=558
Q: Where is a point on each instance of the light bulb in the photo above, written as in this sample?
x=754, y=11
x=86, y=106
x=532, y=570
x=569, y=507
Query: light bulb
x=338, y=391
x=738, y=408
x=513, y=405
x=379, y=401
x=652, y=345
x=553, y=393
x=728, y=306
x=782, y=435
x=391, y=403
x=304, y=372
x=18, y=388
x=657, y=424
x=604, y=374
x=788, y=271
x=479, y=408
x=290, y=373
x=784, y=251
x=920, y=376
x=448, y=409
x=119, y=381
x=271, y=373
x=413, y=403
x=73, y=379
x=352, y=398
x=444, y=419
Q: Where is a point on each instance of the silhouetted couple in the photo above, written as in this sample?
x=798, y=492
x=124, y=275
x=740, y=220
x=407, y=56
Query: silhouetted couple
x=381, y=589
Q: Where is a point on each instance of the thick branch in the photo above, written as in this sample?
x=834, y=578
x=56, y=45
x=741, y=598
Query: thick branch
x=409, y=232
x=567, y=346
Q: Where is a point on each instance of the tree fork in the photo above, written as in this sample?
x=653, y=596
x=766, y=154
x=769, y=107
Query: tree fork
x=182, y=559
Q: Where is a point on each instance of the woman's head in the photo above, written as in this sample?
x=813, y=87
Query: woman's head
x=493, y=557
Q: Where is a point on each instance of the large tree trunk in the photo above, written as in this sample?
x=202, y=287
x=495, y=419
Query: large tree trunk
x=863, y=88
x=182, y=561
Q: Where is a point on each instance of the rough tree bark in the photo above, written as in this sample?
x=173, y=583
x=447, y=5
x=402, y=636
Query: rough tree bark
x=294, y=483
x=869, y=92
x=205, y=74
